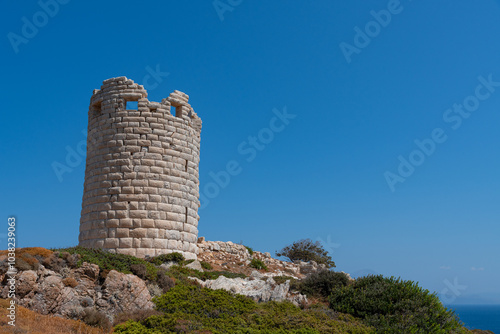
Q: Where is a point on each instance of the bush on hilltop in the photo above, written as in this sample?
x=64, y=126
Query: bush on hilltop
x=306, y=250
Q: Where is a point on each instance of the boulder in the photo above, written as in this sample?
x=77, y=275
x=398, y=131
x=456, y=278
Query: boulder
x=26, y=282
x=195, y=265
x=125, y=292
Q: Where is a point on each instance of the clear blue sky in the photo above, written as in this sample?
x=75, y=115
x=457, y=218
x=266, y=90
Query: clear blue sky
x=321, y=176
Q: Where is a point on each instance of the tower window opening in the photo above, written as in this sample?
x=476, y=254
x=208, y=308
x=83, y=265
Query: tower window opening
x=131, y=105
x=177, y=111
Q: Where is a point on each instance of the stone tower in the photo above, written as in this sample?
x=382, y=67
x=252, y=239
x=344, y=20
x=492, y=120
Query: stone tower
x=141, y=190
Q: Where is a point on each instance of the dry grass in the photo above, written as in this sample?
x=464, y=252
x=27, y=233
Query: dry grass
x=30, y=322
x=43, y=252
x=70, y=281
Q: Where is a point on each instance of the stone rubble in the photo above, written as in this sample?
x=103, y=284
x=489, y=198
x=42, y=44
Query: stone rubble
x=236, y=258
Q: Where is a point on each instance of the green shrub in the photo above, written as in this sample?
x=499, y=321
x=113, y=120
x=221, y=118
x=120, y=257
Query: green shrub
x=306, y=250
x=322, y=283
x=136, y=315
x=108, y=261
x=250, y=250
x=203, y=301
x=171, y=257
x=394, y=306
x=133, y=327
x=258, y=264
x=206, y=265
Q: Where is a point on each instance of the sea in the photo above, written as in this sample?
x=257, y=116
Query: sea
x=486, y=317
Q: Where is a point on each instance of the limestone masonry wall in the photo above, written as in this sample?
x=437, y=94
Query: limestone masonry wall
x=141, y=190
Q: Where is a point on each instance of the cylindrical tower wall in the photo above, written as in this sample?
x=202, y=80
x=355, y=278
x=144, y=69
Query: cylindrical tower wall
x=141, y=190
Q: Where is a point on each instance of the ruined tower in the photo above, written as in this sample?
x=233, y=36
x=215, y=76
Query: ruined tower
x=141, y=190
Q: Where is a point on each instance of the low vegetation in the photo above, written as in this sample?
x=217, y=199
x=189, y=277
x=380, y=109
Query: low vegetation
x=206, y=265
x=70, y=281
x=108, y=261
x=250, y=250
x=258, y=264
x=171, y=257
x=93, y=317
x=181, y=273
x=193, y=309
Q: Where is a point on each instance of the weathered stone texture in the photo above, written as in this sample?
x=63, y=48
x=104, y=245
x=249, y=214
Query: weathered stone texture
x=141, y=190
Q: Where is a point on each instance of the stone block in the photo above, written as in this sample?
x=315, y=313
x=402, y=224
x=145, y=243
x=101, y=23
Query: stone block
x=119, y=206
x=127, y=190
x=121, y=214
x=126, y=222
x=154, y=214
x=160, y=243
x=111, y=243
x=138, y=233
x=155, y=198
x=146, y=243
x=136, y=242
x=163, y=224
x=172, y=244
x=152, y=206
x=122, y=232
x=147, y=223
x=126, y=243
x=138, y=214
x=127, y=251
x=172, y=235
x=136, y=223
x=152, y=233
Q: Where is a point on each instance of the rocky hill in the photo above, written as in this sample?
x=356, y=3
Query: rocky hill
x=55, y=283
x=229, y=287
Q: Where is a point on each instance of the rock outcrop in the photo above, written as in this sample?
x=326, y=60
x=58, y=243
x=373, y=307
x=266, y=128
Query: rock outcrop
x=258, y=287
x=54, y=283
x=69, y=293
